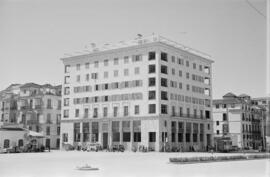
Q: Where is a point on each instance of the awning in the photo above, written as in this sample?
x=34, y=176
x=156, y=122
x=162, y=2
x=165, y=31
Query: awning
x=35, y=134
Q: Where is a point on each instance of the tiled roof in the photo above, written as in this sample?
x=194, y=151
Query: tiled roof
x=243, y=95
x=227, y=101
x=230, y=94
x=31, y=84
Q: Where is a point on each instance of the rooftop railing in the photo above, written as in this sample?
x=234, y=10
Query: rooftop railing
x=136, y=42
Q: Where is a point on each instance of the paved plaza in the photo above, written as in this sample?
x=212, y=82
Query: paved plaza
x=62, y=163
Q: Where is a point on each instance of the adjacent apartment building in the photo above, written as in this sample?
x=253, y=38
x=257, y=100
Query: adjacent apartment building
x=239, y=119
x=34, y=107
x=150, y=92
x=265, y=103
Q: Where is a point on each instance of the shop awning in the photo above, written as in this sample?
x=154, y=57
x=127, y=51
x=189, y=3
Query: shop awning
x=35, y=134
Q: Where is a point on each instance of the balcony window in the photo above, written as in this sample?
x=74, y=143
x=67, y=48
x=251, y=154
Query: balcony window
x=115, y=111
x=86, y=112
x=137, y=109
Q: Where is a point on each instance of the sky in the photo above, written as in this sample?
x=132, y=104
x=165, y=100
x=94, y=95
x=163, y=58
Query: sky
x=35, y=34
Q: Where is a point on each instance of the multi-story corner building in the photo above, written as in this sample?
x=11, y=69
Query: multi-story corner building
x=8, y=106
x=265, y=103
x=150, y=91
x=238, y=118
x=37, y=108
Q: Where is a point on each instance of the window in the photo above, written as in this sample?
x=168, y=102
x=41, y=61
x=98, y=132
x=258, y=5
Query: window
x=66, y=113
x=152, y=108
x=164, y=82
x=152, y=95
x=106, y=62
x=94, y=75
x=180, y=111
x=20, y=142
x=164, y=109
x=164, y=69
x=96, y=64
x=224, y=117
x=49, y=121
x=180, y=85
x=207, y=114
x=87, y=65
x=152, y=81
x=188, y=112
x=66, y=81
x=87, y=77
x=116, y=136
x=217, y=122
x=173, y=111
x=217, y=132
x=115, y=111
x=126, y=136
x=86, y=112
x=137, y=70
x=126, y=72
x=164, y=95
x=173, y=71
x=65, y=137
x=187, y=75
x=106, y=74
x=195, y=113
x=137, y=136
x=125, y=110
x=180, y=73
x=224, y=106
x=194, y=65
x=136, y=58
x=77, y=112
x=152, y=137
x=78, y=67
x=115, y=73
x=151, y=69
x=151, y=55
x=66, y=91
x=187, y=87
x=115, y=61
x=164, y=56
x=187, y=137
x=187, y=63
x=67, y=68
x=173, y=59
x=95, y=114
x=48, y=130
x=78, y=78
x=217, y=106
x=200, y=67
x=126, y=59
x=6, y=143
x=137, y=109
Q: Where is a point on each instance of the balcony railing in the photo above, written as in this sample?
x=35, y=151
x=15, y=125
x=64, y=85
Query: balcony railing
x=189, y=116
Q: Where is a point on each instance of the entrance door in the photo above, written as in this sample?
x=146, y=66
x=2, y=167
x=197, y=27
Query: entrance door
x=105, y=140
x=48, y=143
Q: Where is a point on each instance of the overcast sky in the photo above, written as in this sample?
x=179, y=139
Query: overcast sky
x=35, y=34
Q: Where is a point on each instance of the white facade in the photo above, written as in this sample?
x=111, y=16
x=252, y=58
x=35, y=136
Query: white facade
x=138, y=82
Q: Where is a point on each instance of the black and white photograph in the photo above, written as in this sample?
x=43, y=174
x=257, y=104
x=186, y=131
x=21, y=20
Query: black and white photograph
x=134, y=88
